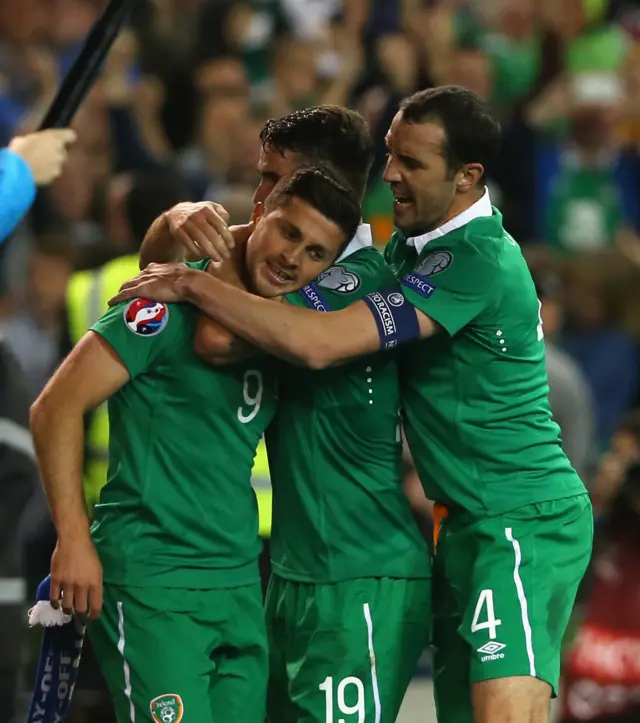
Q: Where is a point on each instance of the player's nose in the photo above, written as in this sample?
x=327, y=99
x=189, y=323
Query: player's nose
x=290, y=256
x=391, y=172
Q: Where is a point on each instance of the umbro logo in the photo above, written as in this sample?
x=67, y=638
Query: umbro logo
x=491, y=651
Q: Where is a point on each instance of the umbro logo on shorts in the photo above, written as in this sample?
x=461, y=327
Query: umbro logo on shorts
x=492, y=651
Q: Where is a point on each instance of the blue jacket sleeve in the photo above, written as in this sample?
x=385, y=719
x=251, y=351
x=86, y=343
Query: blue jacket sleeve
x=17, y=191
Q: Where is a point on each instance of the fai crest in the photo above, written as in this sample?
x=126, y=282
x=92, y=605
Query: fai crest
x=338, y=279
x=435, y=263
x=167, y=708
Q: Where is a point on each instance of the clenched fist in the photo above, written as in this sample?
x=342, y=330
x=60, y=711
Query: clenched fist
x=44, y=152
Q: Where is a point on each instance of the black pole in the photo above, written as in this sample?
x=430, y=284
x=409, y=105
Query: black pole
x=88, y=64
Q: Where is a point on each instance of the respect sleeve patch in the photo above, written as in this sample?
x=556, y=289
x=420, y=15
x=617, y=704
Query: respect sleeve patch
x=419, y=283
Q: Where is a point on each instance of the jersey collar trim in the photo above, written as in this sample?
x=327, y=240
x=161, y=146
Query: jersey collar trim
x=361, y=240
x=480, y=209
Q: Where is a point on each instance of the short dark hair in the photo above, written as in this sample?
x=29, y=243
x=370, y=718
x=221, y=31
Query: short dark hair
x=325, y=135
x=314, y=186
x=472, y=134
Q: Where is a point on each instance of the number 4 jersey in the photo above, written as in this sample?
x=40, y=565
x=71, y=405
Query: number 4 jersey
x=475, y=395
x=178, y=509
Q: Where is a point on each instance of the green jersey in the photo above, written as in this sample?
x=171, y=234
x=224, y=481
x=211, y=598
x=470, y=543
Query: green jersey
x=475, y=396
x=335, y=455
x=178, y=509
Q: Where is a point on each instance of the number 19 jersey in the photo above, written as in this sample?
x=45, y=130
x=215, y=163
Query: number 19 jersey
x=335, y=455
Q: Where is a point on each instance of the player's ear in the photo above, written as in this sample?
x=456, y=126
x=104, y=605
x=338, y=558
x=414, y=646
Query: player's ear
x=258, y=212
x=469, y=176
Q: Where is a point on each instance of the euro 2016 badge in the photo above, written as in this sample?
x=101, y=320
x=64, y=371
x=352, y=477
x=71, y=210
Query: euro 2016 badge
x=145, y=317
x=167, y=708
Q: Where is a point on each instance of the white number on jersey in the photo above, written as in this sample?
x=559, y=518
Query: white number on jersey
x=252, y=390
x=343, y=708
x=539, y=327
x=485, y=599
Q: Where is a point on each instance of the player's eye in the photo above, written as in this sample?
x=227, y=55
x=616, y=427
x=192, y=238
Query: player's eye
x=316, y=254
x=290, y=232
x=410, y=163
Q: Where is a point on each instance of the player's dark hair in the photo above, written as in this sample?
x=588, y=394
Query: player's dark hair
x=325, y=135
x=472, y=134
x=316, y=187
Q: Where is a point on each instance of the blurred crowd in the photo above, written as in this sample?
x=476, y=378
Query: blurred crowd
x=175, y=116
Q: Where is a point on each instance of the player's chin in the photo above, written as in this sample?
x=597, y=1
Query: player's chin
x=404, y=215
x=269, y=290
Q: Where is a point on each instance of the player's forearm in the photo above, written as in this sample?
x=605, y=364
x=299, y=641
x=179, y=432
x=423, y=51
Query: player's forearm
x=298, y=336
x=58, y=435
x=159, y=246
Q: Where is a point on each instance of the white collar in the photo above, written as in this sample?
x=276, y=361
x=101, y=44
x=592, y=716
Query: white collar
x=480, y=209
x=361, y=240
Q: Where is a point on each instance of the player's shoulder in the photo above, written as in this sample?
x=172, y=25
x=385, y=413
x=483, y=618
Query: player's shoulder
x=483, y=237
x=146, y=318
x=356, y=273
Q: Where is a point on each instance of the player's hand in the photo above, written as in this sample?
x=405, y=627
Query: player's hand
x=45, y=152
x=202, y=228
x=76, y=577
x=160, y=282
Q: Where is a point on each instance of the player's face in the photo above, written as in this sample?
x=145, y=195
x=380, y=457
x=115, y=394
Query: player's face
x=417, y=173
x=273, y=166
x=290, y=246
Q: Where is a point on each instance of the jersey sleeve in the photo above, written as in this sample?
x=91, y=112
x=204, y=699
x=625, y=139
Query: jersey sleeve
x=341, y=285
x=141, y=332
x=453, y=287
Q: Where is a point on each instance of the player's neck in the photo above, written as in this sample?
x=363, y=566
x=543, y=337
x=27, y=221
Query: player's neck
x=463, y=202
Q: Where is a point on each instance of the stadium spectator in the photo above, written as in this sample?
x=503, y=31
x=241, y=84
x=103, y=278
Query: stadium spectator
x=569, y=392
x=602, y=670
x=18, y=482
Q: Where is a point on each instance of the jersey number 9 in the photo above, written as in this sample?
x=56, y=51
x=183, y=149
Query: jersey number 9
x=252, y=390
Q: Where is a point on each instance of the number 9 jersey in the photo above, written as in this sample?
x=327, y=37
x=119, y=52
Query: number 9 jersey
x=176, y=526
x=178, y=509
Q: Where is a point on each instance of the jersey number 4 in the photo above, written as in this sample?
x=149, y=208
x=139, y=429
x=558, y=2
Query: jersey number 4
x=485, y=604
x=252, y=391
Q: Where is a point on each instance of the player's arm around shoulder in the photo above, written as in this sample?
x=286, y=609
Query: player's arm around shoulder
x=297, y=335
x=365, y=296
